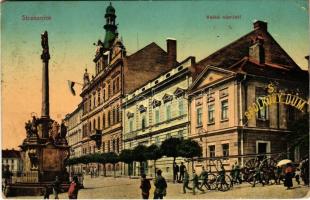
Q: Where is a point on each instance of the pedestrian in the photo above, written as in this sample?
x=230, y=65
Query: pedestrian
x=186, y=181
x=237, y=172
x=204, y=177
x=145, y=187
x=182, y=170
x=232, y=173
x=46, y=192
x=305, y=171
x=278, y=172
x=258, y=174
x=56, y=187
x=74, y=188
x=160, y=186
x=176, y=170
x=196, y=182
x=297, y=176
x=288, y=176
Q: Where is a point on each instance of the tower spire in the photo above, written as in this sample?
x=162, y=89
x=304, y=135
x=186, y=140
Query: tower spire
x=110, y=27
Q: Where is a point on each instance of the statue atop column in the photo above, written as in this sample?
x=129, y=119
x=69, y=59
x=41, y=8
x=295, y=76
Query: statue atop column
x=45, y=56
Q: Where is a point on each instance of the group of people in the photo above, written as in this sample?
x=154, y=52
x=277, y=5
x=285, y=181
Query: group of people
x=178, y=172
x=159, y=183
x=302, y=171
x=56, y=188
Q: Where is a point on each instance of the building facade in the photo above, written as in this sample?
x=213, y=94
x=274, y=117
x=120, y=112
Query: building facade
x=155, y=112
x=74, y=135
x=11, y=160
x=116, y=74
x=244, y=98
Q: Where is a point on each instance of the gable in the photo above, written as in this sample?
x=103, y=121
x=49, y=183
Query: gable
x=238, y=49
x=210, y=75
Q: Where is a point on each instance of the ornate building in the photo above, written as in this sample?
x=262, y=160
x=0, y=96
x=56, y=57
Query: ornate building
x=74, y=134
x=11, y=160
x=245, y=97
x=156, y=111
x=116, y=74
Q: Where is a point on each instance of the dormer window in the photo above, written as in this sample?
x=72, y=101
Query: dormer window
x=167, y=98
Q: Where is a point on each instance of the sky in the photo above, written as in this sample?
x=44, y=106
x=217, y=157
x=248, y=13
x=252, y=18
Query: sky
x=74, y=27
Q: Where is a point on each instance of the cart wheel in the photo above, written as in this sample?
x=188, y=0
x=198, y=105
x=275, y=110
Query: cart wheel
x=212, y=182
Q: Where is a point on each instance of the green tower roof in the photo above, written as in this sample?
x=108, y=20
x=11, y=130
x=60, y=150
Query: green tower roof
x=110, y=9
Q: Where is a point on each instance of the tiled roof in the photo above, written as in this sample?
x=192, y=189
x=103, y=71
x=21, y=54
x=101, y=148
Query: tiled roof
x=235, y=51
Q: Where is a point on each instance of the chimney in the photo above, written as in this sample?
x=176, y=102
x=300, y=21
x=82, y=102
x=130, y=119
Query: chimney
x=172, y=51
x=257, y=51
x=260, y=25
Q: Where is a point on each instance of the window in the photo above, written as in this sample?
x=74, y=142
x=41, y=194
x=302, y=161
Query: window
x=90, y=103
x=114, y=87
x=109, y=146
x=211, y=113
x=212, y=151
x=168, y=111
x=99, y=123
x=157, y=141
x=199, y=116
x=103, y=147
x=109, y=118
x=225, y=148
x=180, y=134
x=98, y=97
x=157, y=117
x=103, y=93
x=90, y=127
x=103, y=120
x=114, y=116
x=117, y=145
x=94, y=100
x=117, y=84
x=118, y=114
x=224, y=106
x=262, y=113
x=109, y=91
x=94, y=124
x=181, y=107
x=113, y=145
x=143, y=122
x=130, y=125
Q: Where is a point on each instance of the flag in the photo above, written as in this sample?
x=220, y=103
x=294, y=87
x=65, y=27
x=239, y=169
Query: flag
x=71, y=87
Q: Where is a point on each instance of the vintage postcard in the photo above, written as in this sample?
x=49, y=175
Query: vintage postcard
x=155, y=99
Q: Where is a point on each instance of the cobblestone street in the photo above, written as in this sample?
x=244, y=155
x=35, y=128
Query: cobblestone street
x=118, y=188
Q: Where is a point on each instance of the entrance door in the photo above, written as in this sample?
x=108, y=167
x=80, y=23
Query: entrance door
x=262, y=147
